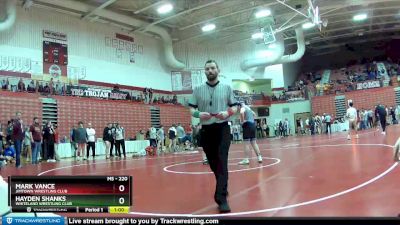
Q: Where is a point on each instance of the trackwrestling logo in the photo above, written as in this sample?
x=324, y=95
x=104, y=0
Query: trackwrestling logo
x=33, y=220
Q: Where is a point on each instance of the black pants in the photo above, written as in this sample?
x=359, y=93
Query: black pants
x=370, y=122
x=328, y=125
x=118, y=144
x=47, y=149
x=91, y=145
x=153, y=142
x=48, y=152
x=112, y=147
x=215, y=139
x=383, y=122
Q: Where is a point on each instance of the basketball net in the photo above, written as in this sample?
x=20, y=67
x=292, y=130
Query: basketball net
x=268, y=35
x=313, y=13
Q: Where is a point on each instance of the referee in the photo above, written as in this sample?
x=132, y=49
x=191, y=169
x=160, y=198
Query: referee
x=381, y=112
x=214, y=103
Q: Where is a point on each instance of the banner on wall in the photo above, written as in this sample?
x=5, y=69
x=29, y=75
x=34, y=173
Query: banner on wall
x=125, y=47
x=54, y=35
x=186, y=80
x=198, y=77
x=55, y=59
x=97, y=93
x=368, y=85
x=176, y=81
x=15, y=64
x=3, y=63
x=37, y=68
x=382, y=69
x=54, y=70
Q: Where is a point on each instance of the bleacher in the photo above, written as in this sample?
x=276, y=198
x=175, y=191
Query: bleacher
x=133, y=115
x=343, y=80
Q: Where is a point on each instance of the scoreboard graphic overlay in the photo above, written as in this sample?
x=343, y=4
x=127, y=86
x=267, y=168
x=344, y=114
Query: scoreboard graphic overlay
x=85, y=194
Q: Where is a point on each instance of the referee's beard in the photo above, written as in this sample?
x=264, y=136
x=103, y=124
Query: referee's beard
x=211, y=77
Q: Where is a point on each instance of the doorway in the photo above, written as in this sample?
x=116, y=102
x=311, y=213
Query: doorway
x=303, y=117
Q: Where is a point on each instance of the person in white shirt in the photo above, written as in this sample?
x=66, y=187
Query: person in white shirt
x=301, y=126
x=160, y=139
x=120, y=140
x=308, y=126
x=318, y=123
x=91, y=144
x=351, y=115
x=153, y=136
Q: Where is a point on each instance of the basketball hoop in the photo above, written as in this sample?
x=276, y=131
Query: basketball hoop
x=313, y=14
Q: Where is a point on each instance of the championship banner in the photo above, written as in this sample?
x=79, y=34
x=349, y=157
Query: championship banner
x=55, y=59
x=54, y=70
x=186, y=80
x=97, y=93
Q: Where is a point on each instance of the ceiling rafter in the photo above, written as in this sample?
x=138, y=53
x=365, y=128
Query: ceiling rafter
x=102, y=6
x=226, y=15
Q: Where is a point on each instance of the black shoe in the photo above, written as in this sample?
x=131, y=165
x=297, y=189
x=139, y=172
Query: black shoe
x=224, y=208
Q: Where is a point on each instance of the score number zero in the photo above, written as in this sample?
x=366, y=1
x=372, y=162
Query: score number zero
x=121, y=187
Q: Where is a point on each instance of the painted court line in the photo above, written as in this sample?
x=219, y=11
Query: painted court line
x=264, y=210
x=166, y=169
x=288, y=206
x=107, y=162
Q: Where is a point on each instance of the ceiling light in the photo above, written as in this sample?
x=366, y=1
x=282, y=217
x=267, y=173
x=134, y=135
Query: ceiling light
x=208, y=27
x=263, y=13
x=258, y=35
x=308, y=25
x=360, y=17
x=166, y=8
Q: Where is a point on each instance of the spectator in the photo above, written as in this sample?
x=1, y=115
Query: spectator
x=172, y=137
x=160, y=139
x=27, y=144
x=59, y=88
x=48, y=142
x=107, y=138
x=153, y=136
x=21, y=85
x=46, y=89
x=120, y=140
x=31, y=86
x=5, y=85
x=17, y=137
x=181, y=134
x=81, y=140
x=91, y=141
x=36, y=139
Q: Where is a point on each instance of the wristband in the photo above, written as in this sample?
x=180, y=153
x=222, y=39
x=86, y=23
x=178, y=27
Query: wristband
x=196, y=114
